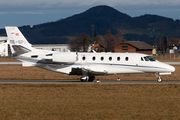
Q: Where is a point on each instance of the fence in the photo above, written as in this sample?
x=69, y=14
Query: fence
x=167, y=56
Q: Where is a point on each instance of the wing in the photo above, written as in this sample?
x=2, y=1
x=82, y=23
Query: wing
x=81, y=71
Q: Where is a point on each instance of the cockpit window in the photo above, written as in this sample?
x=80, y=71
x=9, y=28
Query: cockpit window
x=150, y=58
x=49, y=55
x=146, y=59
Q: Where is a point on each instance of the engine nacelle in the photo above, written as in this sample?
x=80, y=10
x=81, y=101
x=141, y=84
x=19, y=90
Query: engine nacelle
x=64, y=57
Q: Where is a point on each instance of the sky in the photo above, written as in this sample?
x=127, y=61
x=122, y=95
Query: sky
x=33, y=12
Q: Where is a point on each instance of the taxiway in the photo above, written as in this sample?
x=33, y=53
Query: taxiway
x=78, y=82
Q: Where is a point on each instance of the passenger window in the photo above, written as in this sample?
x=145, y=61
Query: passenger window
x=110, y=58
x=102, y=58
x=126, y=58
x=142, y=59
x=94, y=58
x=83, y=58
x=118, y=58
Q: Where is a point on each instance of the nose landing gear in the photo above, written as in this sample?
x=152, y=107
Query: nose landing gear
x=159, y=80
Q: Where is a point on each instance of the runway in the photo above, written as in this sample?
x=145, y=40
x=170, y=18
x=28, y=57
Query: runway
x=19, y=63
x=78, y=82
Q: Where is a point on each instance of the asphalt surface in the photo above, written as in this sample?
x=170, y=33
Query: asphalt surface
x=19, y=63
x=78, y=82
x=10, y=63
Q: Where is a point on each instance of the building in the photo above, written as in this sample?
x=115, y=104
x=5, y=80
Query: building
x=134, y=47
x=98, y=48
x=173, y=49
x=52, y=47
x=4, y=47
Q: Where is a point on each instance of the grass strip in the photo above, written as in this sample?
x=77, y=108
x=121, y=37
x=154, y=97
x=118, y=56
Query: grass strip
x=89, y=102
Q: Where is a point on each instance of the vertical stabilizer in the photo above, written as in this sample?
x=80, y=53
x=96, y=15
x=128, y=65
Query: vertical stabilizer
x=17, y=40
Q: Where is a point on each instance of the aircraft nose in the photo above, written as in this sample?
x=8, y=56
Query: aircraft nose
x=171, y=68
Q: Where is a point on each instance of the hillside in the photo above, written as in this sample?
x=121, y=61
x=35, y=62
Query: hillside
x=145, y=27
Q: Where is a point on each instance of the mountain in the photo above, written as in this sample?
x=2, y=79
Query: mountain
x=103, y=18
x=155, y=22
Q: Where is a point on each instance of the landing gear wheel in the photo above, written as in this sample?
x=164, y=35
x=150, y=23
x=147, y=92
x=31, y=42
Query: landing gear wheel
x=84, y=79
x=91, y=78
x=159, y=80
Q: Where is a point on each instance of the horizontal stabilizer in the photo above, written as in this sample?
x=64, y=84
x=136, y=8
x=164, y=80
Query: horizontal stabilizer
x=28, y=64
x=20, y=50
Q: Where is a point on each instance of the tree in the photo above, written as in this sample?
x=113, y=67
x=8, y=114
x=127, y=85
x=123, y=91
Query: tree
x=120, y=36
x=109, y=41
x=97, y=40
x=162, y=44
x=87, y=43
x=174, y=41
x=80, y=43
x=74, y=44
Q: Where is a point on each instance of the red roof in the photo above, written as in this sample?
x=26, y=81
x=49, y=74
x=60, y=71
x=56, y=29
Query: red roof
x=138, y=44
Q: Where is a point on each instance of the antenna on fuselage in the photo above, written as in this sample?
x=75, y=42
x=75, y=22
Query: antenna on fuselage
x=94, y=51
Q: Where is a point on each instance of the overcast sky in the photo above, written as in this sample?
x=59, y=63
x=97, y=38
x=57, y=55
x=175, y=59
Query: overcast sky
x=32, y=12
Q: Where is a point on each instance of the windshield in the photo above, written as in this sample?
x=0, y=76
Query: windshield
x=150, y=58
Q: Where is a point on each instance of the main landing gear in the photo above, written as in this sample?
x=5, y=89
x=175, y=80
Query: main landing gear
x=87, y=78
x=159, y=78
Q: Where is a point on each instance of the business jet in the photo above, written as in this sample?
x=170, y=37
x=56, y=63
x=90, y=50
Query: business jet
x=85, y=64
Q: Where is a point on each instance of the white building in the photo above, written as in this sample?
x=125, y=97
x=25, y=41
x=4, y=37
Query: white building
x=52, y=47
x=4, y=47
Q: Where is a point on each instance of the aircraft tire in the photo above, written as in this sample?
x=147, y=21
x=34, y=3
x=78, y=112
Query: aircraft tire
x=91, y=78
x=84, y=80
x=159, y=80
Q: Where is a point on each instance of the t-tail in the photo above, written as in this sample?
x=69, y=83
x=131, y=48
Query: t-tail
x=18, y=43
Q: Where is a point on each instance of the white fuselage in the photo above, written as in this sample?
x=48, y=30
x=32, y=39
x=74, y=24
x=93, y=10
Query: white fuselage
x=98, y=63
x=88, y=65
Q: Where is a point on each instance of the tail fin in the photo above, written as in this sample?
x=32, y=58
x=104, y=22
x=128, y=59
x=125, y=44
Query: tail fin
x=17, y=41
